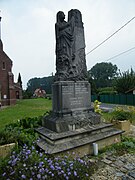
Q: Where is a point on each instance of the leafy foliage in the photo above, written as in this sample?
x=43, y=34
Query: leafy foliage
x=120, y=113
x=106, y=90
x=103, y=73
x=127, y=145
x=125, y=81
x=21, y=131
x=44, y=83
x=7, y=137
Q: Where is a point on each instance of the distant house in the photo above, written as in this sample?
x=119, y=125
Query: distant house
x=131, y=91
x=39, y=93
x=9, y=90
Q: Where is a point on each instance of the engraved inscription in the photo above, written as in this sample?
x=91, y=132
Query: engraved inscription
x=76, y=101
x=79, y=89
x=67, y=89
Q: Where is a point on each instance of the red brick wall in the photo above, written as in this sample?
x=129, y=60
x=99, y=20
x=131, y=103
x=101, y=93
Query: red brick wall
x=4, y=77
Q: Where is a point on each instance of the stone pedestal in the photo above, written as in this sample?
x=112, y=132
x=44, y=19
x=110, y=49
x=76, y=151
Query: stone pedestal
x=71, y=107
x=70, y=96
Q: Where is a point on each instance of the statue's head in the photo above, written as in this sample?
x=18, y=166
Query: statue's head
x=60, y=16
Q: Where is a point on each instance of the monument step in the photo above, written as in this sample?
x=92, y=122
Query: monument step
x=102, y=127
x=73, y=140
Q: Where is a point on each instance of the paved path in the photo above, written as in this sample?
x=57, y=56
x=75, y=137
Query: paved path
x=116, y=168
x=112, y=167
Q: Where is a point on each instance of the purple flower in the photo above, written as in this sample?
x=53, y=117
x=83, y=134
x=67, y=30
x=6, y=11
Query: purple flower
x=71, y=164
x=56, y=158
x=52, y=167
x=75, y=173
x=64, y=163
x=68, y=169
x=58, y=168
x=32, y=173
x=56, y=163
x=12, y=173
x=23, y=176
x=46, y=170
x=28, y=151
x=81, y=161
x=40, y=164
x=4, y=174
x=52, y=174
x=33, y=147
x=39, y=176
x=41, y=154
x=87, y=174
x=41, y=170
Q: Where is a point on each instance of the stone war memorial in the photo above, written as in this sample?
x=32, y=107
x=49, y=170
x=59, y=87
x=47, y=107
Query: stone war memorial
x=72, y=126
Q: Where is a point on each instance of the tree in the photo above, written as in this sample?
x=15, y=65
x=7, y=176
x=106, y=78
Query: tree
x=19, y=79
x=103, y=74
x=44, y=83
x=125, y=81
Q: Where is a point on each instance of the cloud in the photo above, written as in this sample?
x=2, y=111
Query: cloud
x=28, y=33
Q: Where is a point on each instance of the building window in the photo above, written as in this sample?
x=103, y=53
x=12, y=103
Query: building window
x=3, y=65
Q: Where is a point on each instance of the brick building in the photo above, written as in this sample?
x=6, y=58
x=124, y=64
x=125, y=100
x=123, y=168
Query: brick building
x=9, y=90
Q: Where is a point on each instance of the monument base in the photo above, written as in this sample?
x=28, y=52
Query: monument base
x=71, y=107
x=79, y=141
x=73, y=121
x=72, y=125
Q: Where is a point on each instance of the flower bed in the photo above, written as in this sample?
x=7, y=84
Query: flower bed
x=32, y=164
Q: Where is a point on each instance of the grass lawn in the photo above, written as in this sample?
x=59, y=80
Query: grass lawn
x=24, y=108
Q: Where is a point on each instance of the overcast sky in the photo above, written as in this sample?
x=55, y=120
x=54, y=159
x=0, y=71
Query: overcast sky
x=28, y=33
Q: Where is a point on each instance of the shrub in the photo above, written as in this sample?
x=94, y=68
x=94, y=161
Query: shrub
x=106, y=90
x=22, y=131
x=7, y=137
x=127, y=145
x=121, y=114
